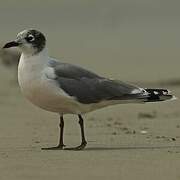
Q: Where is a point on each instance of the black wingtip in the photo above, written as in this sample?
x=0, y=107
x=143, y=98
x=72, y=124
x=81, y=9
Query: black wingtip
x=159, y=95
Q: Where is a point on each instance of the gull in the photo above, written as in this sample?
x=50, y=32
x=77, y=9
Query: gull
x=69, y=89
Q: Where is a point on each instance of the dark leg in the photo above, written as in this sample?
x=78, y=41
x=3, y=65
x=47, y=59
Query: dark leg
x=61, y=126
x=81, y=123
x=61, y=144
x=83, y=139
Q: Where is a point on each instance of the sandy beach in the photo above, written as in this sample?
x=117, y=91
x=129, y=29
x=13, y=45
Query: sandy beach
x=138, y=43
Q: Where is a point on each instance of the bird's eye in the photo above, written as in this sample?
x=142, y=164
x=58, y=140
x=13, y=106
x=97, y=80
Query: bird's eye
x=30, y=38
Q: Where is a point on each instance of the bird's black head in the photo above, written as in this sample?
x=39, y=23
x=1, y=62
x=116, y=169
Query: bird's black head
x=36, y=39
x=29, y=41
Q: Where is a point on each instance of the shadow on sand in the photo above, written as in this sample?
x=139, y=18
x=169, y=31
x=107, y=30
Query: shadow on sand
x=132, y=148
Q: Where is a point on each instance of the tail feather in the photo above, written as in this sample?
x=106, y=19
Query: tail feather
x=158, y=95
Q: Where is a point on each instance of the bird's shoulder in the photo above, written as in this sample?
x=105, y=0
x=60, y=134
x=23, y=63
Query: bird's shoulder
x=67, y=70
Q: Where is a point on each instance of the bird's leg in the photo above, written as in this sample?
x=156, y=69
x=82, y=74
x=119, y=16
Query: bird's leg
x=83, y=139
x=81, y=123
x=61, y=126
x=61, y=144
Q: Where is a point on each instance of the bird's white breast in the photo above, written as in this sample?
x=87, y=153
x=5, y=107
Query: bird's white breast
x=38, y=84
x=40, y=90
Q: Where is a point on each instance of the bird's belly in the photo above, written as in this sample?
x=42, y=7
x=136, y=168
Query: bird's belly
x=46, y=95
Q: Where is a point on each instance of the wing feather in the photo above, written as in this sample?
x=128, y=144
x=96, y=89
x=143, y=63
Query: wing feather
x=87, y=87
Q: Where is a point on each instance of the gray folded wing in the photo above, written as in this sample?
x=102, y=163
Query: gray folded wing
x=88, y=87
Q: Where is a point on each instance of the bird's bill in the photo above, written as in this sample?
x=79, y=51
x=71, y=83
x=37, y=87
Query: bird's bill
x=11, y=44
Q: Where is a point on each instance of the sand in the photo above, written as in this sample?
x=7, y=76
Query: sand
x=135, y=42
x=124, y=141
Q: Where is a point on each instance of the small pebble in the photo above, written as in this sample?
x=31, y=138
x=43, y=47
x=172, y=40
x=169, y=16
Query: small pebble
x=143, y=132
x=114, y=133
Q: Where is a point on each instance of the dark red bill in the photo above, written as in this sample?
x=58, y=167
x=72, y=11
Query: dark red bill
x=11, y=44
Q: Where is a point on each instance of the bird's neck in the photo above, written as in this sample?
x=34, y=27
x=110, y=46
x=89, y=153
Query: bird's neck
x=39, y=59
x=30, y=54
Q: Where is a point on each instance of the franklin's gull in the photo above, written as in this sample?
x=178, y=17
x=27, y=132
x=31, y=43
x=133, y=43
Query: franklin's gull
x=68, y=89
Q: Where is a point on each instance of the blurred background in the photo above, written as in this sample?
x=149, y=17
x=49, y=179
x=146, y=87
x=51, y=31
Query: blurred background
x=125, y=39
x=136, y=41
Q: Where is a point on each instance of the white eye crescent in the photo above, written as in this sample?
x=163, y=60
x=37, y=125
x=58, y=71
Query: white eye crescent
x=30, y=38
